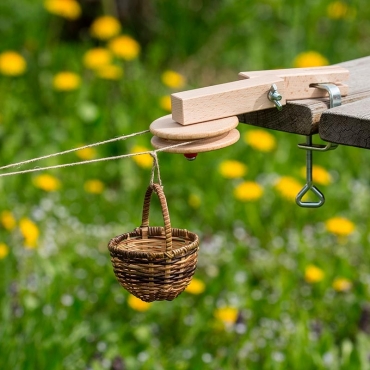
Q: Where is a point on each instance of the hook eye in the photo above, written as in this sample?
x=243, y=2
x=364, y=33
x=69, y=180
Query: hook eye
x=304, y=191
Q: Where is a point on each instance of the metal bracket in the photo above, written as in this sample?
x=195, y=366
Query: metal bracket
x=335, y=101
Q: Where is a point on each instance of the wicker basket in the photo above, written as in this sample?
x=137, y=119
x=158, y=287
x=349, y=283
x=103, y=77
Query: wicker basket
x=154, y=263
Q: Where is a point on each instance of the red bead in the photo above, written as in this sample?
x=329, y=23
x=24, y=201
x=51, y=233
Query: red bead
x=190, y=156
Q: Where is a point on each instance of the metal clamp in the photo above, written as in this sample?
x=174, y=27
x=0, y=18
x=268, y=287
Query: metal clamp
x=335, y=101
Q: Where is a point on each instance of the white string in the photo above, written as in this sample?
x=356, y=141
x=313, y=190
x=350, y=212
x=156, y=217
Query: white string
x=70, y=151
x=154, y=167
x=83, y=162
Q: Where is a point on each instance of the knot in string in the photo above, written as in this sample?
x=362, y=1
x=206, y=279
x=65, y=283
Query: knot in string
x=155, y=167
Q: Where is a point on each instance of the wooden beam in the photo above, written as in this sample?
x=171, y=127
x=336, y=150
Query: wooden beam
x=303, y=116
x=298, y=81
x=224, y=100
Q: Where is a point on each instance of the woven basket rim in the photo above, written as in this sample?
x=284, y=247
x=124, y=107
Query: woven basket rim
x=153, y=231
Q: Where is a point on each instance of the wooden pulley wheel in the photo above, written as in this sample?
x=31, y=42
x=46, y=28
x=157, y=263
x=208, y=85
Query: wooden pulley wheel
x=197, y=146
x=166, y=128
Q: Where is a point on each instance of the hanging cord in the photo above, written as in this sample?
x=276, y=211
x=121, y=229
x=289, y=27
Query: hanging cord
x=154, y=167
x=124, y=137
x=37, y=169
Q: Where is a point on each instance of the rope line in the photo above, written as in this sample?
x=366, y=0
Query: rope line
x=152, y=153
x=124, y=137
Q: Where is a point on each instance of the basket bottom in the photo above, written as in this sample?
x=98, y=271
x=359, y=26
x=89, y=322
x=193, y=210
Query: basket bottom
x=151, y=287
x=160, y=295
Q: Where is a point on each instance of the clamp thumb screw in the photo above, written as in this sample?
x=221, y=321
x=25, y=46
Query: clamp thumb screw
x=275, y=97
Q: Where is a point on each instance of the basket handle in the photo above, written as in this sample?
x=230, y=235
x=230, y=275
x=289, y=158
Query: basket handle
x=166, y=216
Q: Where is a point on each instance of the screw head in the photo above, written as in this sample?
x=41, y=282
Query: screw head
x=275, y=97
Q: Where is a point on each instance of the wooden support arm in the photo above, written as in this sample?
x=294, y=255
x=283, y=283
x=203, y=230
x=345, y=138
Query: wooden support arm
x=250, y=94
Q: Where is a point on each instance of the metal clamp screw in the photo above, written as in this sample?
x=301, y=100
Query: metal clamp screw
x=309, y=183
x=335, y=101
x=275, y=97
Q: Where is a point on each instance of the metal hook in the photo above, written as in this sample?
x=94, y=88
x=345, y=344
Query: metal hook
x=335, y=101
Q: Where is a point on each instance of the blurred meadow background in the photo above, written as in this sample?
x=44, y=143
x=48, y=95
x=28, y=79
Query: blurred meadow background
x=277, y=286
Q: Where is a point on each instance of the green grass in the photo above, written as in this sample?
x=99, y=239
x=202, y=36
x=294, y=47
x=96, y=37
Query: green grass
x=60, y=304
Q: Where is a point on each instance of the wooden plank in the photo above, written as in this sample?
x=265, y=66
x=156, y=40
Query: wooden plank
x=303, y=116
x=348, y=124
x=224, y=100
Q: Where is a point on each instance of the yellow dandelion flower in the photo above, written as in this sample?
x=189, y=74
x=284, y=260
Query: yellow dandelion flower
x=313, y=274
x=97, y=58
x=310, y=59
x=248, y=191
x=337, y=10
x=124, y=47
x=342, y=285
x=4, y=250
x=319, y=175
x=260, y=140
x=288, y=187
x=7, y=220
x=105, y=27
x=86, y=153
x=228, y=315
x=340, y=226
x=69, y=9
x=137, y=304
x=232, y=169
x=194, y=201
x=94, y=186
x=173, y=79
x=66, y=81
x=196, y=286
x=29, y=231
x=46, y=182
x=165, y=103
x=143, y=160
x=12, y=63
x=110, y=72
